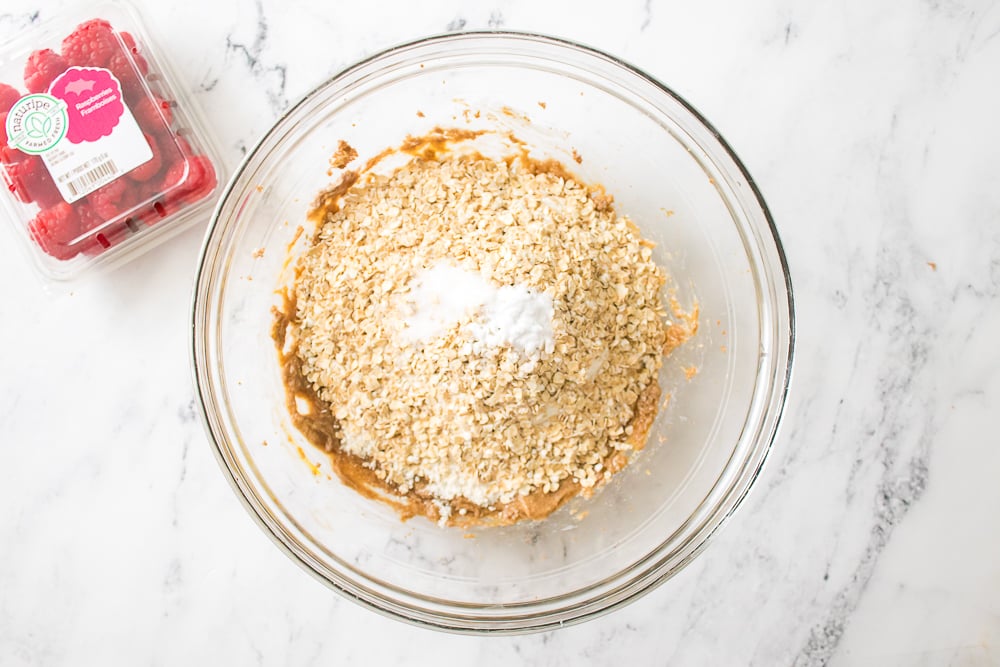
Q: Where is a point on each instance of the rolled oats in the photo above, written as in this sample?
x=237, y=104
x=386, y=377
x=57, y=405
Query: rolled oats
x=452, y=420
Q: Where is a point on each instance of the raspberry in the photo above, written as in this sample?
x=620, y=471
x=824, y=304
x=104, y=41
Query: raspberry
x=201, y=180
x=107, y=235
x=107, y=209
x=121, y=66
x=140, y=64
x=113, y=191
x=133, y=49
x=184, y=174
x=54, y=230
x=8, y=154
x=174, y=175
x=169, y=150
x=41, y=67
x=177, y=167
x=109, y=201
x=30, y=182
x=153, y=114
x=8, y=95
x=147, y=170
x=129, y=41
x=92, y=43
x=88, y=218
x=185, y=181
x=193, y=178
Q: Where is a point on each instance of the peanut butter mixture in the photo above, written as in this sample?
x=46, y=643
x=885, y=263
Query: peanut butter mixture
x=509, y=406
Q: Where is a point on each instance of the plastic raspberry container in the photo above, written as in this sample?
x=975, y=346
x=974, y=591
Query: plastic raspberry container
x=103, y=155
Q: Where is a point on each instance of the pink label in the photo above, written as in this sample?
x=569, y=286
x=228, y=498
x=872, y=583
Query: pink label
x=93, y=99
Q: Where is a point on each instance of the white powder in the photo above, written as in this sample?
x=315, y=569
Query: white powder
x=444, y=294
x=439, y=297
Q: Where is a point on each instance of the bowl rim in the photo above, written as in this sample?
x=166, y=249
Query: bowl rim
x=578, y=612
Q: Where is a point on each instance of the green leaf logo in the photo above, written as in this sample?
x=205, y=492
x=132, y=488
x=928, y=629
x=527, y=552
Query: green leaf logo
x=35, y=124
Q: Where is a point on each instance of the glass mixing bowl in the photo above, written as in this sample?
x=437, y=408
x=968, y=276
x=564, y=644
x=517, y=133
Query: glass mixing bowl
x=670, y=171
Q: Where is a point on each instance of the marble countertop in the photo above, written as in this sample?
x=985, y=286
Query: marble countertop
x=870, y=538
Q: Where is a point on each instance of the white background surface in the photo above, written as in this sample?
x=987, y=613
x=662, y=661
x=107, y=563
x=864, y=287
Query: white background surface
x=871, y=538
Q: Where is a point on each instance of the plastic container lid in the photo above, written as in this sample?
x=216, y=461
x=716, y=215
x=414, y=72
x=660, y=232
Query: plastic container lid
x=102, y=155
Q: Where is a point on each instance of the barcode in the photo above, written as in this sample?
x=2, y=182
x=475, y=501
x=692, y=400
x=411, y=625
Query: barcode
x=98, y=174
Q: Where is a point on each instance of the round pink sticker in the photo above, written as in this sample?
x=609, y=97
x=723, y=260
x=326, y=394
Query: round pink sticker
x=93, y=99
